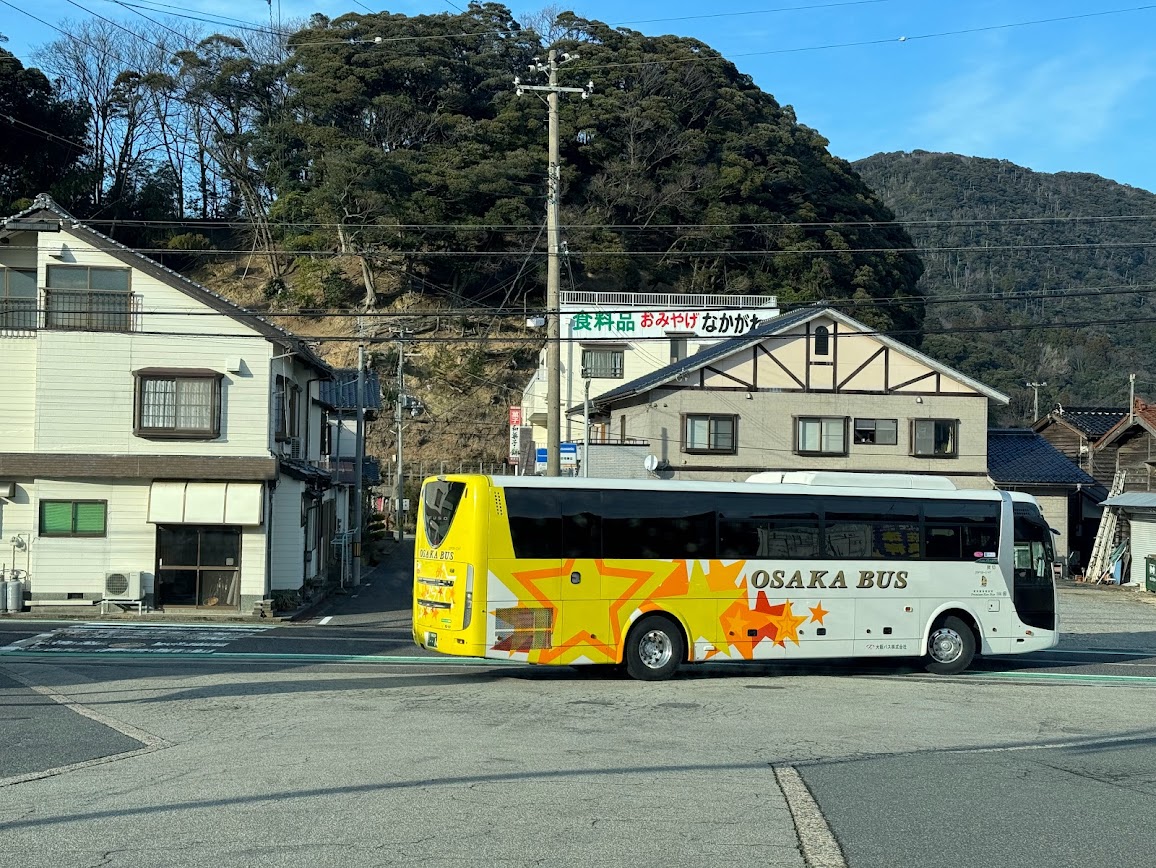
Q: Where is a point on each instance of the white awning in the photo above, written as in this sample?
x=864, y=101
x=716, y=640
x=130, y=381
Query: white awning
x=176, y=502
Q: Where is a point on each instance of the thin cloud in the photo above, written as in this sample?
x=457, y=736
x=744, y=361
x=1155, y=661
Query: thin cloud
x=1064, y=104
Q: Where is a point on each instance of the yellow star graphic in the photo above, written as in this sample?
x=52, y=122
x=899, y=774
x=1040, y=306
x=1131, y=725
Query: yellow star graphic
x=787, y=625
x=818, y=613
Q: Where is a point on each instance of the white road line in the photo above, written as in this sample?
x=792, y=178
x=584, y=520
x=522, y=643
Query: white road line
x=817, y=842
x=148, y=741
x=326, y=619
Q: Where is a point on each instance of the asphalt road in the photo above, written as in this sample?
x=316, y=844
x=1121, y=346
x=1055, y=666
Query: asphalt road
x=337, y=742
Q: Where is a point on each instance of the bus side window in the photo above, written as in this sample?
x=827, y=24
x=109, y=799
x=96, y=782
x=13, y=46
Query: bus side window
x=582, y=524
x=535, y=522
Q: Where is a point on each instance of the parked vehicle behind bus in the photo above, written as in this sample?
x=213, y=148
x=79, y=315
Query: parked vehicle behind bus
x=786, y=566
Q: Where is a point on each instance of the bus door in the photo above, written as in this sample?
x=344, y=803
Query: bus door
x=584, y=614
x=1034, y=592
x=881, y=543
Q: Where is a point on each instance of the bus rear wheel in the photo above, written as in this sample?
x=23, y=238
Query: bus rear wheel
x=654, y=649
x=951, y=647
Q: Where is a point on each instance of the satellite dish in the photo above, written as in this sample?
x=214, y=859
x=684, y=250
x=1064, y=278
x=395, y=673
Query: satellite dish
x=650, y=462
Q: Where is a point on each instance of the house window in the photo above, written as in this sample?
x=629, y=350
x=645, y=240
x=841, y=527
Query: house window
x=935, y=438
x=677, y=349
x=73, y=517
x=821, y=435
x=709, y=434
x=877, y=432
x=17, y=298
x=602, y=364
x=83, y=298
x=822, y=341
x=178, y=404
x=285, y=409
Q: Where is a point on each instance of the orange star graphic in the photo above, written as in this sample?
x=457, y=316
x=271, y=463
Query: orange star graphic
x=818, y=613
x=787, y=625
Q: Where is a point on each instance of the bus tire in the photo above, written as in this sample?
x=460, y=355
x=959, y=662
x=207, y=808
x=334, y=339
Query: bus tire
x=950, y=647
x=655, y=648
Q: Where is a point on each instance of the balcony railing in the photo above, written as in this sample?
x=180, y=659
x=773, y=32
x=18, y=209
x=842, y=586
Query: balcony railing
x=18, y=314
x=90, y=310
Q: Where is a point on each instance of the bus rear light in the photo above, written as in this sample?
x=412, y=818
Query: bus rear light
x=469, y=614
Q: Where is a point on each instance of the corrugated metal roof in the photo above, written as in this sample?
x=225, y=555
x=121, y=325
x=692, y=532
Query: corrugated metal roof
x=1133, y=499
x=1020, y=455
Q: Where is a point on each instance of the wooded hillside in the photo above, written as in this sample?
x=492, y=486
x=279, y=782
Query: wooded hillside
x=1006, y=248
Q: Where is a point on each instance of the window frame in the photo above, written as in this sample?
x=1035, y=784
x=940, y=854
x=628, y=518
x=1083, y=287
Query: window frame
x=915, y=453
x=617, y=368
x=94, y=320
x=711, y=434
x=855, y=428
x=9, y=312
x=799, y=420
x=175, y=375
x=73, y=534
x=822, y=336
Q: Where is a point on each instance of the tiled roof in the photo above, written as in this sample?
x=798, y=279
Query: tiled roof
x=340, y=393
x=1020, y=455
x=1095, y=422
x=1143, y=414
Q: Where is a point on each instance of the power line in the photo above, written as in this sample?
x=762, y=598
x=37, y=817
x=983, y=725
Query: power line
x=714, y=55
x=751, y=12
x=534, y=227
x=43, y=133
x=673, y=253
x=511, y=339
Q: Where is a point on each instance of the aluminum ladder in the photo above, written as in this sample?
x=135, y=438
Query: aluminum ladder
x=1106, y=535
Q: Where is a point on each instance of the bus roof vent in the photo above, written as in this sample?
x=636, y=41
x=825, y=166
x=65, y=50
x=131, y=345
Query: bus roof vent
x=836, y=479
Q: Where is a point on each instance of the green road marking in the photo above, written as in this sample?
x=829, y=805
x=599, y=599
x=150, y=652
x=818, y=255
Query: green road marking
x=1064, y=676
x=258, y=657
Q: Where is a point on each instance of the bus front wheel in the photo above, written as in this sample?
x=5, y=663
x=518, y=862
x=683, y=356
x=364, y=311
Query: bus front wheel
x=951, y=647
x=654, y=648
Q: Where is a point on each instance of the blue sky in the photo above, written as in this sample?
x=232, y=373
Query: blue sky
x=1072, y=95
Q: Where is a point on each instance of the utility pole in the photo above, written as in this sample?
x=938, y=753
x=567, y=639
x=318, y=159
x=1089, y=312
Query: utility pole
x=1131, y=398
x=1035, y=387
x=553, y=273
x=399, y=512
x=359, y=468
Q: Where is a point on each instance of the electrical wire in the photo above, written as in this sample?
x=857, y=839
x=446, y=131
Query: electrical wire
x=533, y=227
x=43, y=133
x=672, y=254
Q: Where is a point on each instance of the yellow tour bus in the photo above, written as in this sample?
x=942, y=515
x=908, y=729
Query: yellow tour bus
x=652, y=574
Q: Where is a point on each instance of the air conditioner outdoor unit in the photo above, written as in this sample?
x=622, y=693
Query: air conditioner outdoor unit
x=122, y=586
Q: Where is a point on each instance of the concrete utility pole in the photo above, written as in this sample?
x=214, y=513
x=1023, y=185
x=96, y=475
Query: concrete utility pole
x=1035, y=387
x=553, y=314
x=359, y=468
x=1131, y=398
x=399, y=512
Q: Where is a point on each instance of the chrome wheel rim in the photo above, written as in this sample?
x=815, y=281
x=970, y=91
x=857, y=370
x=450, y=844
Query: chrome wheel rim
x=946, y=645
x=655, y=649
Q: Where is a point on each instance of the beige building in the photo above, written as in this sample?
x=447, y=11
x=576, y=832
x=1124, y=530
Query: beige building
x=152, y=431
x=812, y=389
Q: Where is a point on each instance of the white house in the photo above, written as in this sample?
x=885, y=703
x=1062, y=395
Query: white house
x=151, y=429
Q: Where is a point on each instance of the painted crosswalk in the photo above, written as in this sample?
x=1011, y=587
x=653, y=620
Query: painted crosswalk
x=98, y=638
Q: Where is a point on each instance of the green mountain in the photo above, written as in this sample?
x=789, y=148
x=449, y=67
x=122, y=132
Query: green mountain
x=1029, y=276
